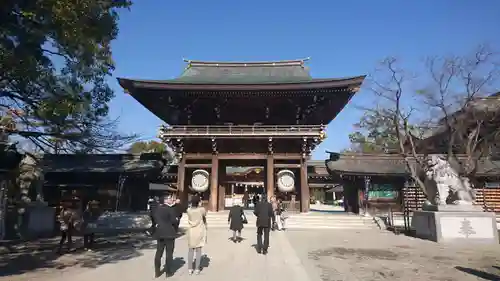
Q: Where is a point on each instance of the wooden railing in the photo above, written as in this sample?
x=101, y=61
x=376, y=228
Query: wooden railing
x=488, y=198
x=413, y=199
x=282, y=131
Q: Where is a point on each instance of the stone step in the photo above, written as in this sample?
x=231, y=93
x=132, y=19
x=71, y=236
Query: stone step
x=122, y=221
x=297, y=217
x=297, y=221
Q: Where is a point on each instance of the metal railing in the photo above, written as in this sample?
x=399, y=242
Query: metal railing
x=243, y=130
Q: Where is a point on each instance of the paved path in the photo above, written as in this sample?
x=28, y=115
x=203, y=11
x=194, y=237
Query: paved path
x=223, y=261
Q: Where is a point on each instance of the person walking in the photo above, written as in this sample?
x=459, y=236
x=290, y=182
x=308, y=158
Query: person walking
x=246, y=199
x=264, y=213
x=236, y=219
x=280, y=215
x=165, y=217
x=90, y=217
x=66, y=220
x=274, y=203
x=196, y=234
x=152, y=204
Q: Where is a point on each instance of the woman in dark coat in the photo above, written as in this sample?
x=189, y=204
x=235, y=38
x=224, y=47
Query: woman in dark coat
x=236, y=219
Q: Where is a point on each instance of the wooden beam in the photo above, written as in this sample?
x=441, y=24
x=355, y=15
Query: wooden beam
x=304, y=188
x=287, y=166
x=270, y=176
x=243, y=156
x=198, y=156
x=214, y=185
x=287, y=156
x=200, y=166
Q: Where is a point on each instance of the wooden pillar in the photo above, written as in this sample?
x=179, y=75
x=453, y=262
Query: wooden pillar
x=214, y=184
x=222, y=197
x=304, y=187
x=181, y=185
x=364, y=199
x=270, y=176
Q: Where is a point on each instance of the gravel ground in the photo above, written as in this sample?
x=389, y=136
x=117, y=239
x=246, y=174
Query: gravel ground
x=374, y=255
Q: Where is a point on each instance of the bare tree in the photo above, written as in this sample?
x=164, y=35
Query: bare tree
x=452, y=110
x=390, y=84
x=467, y=114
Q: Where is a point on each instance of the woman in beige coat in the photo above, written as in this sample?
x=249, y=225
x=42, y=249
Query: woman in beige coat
x=196, y=233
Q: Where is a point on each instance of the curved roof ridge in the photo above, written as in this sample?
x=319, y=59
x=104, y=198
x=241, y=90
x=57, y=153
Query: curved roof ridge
x=298, y=62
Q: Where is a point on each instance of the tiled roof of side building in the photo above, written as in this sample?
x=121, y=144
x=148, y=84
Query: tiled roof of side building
x=100, y=163
x=393, y=164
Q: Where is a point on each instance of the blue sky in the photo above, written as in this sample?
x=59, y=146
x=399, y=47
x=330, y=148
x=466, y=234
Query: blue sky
x=343, y=38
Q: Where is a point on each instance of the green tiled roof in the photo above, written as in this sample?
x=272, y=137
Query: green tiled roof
x=198, y=72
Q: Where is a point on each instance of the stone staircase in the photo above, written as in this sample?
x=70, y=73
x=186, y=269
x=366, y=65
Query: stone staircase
x=310, y=220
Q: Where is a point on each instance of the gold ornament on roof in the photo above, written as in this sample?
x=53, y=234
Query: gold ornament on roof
x=322, y=135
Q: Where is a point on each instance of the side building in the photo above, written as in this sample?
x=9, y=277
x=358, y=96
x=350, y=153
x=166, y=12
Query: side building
x=379, y=182
x=117, y=181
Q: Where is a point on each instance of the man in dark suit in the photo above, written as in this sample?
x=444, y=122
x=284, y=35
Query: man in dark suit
x=166, y=231
x=264, y=212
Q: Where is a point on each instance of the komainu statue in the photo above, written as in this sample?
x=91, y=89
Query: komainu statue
x=444, y=185
x=30, y=176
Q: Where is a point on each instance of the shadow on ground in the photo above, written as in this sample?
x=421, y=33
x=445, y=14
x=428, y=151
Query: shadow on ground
x=177, y=263
x=205, y=262
x=349, y=253
x=479, y=273
x=39, y=255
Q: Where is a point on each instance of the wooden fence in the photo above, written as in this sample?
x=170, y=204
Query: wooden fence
x=413, y=198
x=488, y=198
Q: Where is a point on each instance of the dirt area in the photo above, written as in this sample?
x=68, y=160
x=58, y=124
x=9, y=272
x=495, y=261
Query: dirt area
x=39, y=260
x=372, y=255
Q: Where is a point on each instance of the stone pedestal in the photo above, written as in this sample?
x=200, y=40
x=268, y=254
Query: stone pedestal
x=41, y=220
x=449, y=224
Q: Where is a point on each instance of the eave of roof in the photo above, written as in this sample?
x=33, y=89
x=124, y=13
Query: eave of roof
x=101, y=163
x=354, y=83
x=392, y=165
x=131, y=85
